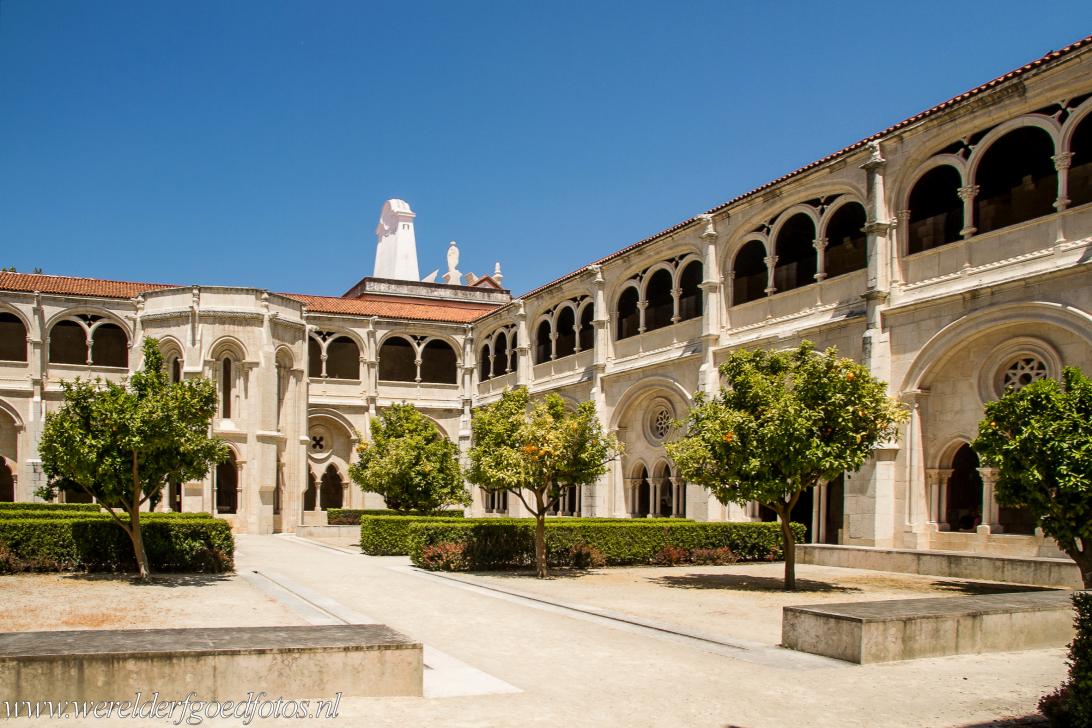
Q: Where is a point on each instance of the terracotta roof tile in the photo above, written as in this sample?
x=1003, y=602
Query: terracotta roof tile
x=75, y=286
x=1033, y=65
x=395, y=307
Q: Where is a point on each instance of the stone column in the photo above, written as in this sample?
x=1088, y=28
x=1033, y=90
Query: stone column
x=771, y=265
x=1062, y=162
x=595, y=499
x=991, y=511
x=641, y=306
x=820, y=245
x=967, y=193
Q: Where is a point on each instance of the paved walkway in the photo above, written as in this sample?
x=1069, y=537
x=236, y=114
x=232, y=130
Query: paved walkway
x=581, y=668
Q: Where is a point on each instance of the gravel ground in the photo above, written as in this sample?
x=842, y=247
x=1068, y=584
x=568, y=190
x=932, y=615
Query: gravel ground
x=34, y=602
x=742, y=600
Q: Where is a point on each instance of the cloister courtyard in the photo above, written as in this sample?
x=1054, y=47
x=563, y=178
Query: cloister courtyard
x=665, y=646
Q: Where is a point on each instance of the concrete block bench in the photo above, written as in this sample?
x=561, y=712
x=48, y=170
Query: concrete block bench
x=216, y=663
x=906, y=629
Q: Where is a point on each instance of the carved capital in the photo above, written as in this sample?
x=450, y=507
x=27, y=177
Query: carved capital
x=710, y=231
x=819, y=244
x=875, y=158
x=1062, y=160
x=968, y=192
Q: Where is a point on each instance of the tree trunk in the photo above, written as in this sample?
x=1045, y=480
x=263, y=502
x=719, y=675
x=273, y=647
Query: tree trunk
x=789, y=547
x=540, y=545
x=1083, y=558
x=134, y=525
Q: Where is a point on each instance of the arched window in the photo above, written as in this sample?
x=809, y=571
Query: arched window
x=109, y=346
x=310, y=494
x=439, y=363
x=690, y=291
x=629, y=319
x=846, y=240
x=587, y=328
x=13, y=338
x=314, y=357
x=1016, y=180
x=174, y=369
x=936, y=209
x=500, y=355
x=566, y=332
x=331, y=490
x=964, y=506
x=749, y=283
x=1080, y=167
x=7, y=483
x=227, y=484
x=642, y=502
x=542, y=342
x=661, y=304
x=666, y=506
x=226, y=386
x=484, y=370
x=397, y=360
x=282, y=370
x=68, y=343
x=797, y=261
x=342, y=358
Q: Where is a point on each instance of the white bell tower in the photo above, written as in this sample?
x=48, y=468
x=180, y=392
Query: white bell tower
x=396, y=244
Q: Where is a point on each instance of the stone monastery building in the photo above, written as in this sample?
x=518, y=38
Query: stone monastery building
x=950, y=253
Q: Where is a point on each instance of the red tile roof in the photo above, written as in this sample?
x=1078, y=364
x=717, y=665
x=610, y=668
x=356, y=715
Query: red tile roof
x=368, y=305
x=395, y=307
x=954, y=101
x=75, y=286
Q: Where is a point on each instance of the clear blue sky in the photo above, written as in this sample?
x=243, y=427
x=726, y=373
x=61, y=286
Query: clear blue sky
x=253, y=143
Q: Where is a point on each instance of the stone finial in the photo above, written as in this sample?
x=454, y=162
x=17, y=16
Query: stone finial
x=453, y=275
x=497, y=275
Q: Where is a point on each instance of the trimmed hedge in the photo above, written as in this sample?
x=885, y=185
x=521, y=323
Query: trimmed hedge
x=1070, y=706
x=509, y=543
x=389, y=535
x=351, y=517
x=61, y=515
x=57, y=507
x=383, y=535
x=96, y=543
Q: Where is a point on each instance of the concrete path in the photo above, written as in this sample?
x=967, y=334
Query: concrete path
x=586, y=669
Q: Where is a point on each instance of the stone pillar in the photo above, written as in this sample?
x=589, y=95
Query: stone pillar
x=820, y=245
x=919, y=498
x=712, y=301
x=596, y=499
x=938, y=497
x=523, y=346
x=991, y=511
x=771, y=265
x=641, y=306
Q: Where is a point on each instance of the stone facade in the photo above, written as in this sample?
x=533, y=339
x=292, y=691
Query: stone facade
x=949, y=253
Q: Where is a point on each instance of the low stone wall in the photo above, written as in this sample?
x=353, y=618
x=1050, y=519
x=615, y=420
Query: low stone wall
x=336, y=532
x=906, y=629
x=1004, y=569
x=369, y=660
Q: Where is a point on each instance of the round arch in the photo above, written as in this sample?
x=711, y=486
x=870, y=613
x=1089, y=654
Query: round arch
x=943, y=345
x=1050, y=126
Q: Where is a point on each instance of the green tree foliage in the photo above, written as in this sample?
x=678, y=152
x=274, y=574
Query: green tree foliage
x=410, y=463
x=535, y=450
x=784, y=422
x=123, y=443
x=1040, y=440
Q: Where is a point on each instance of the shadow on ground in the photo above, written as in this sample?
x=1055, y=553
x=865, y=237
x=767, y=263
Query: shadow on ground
x=1027, y=721
x=983, y=587
x=746, y=582
x=167, y=580
x=524, y=574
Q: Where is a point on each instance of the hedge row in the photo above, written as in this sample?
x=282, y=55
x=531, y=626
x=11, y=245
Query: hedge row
x=508, y=543
x=62, y=515
x=351, y=516
x=96, y=543
x=390, y=535
x=57, y=507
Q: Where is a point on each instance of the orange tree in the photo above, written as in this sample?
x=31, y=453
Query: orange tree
x=534, y=450
x=785, y=421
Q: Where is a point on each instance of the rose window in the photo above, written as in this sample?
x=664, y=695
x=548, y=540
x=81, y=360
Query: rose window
x=1024, y=371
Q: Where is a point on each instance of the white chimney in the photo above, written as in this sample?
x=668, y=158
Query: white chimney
x=396, y=245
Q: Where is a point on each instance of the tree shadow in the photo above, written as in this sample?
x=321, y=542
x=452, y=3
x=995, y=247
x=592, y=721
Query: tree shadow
x=1027, y=721
x=746, y=582
x=162, y=580
x=974, y=588
x=554, y=574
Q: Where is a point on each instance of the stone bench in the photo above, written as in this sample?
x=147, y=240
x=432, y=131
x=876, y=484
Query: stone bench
x=216, y=663
x=906, y=629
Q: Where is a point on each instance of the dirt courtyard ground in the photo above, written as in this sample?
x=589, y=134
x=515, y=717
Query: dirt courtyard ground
x=739, y=601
